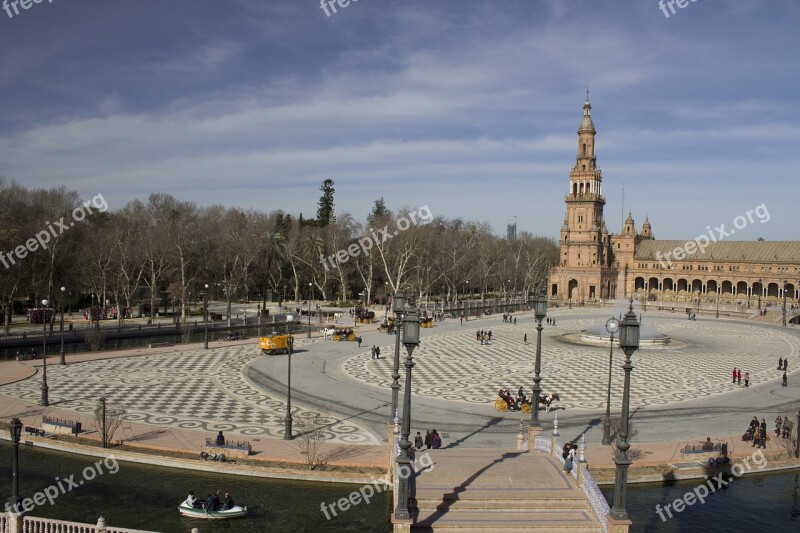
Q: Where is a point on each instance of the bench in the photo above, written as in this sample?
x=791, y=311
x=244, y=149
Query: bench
x=159, y=344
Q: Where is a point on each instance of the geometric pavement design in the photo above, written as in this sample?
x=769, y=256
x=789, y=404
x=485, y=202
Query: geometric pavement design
x=194, y=390
x=454, y=366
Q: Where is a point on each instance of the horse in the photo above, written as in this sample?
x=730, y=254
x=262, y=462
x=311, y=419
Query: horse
x=328, y=333
x=548, y=399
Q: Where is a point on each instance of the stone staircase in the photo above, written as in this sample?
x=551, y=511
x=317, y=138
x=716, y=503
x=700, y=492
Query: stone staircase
x=480, y=490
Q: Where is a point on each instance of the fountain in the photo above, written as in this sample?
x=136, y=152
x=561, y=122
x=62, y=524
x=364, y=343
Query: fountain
x=649, y=336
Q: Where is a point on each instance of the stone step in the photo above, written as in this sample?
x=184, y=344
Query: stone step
x=497, y=503
x=538, y=521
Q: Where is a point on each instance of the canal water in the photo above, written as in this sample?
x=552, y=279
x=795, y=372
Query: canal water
x=145, y=497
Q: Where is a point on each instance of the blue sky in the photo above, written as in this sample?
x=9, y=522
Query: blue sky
x=468, y=106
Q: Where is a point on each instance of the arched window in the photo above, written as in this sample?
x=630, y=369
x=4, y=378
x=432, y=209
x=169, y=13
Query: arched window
x=584, y=148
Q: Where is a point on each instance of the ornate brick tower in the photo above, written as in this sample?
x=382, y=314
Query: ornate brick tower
x=584, y=273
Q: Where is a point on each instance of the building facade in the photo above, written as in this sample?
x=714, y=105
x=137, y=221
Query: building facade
x=596, y=266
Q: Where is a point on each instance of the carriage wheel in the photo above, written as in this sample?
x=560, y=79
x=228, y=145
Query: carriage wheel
x=500, y=405
x=337, y=338
x=526, y=408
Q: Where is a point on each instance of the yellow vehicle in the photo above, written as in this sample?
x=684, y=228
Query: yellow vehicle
x=426, y=323
x=346, y=334
x=277, y=343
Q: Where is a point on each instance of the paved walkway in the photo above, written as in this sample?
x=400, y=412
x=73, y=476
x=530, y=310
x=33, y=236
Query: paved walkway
x=177, y=396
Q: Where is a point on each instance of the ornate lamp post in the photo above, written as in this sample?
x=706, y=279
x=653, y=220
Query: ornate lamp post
x=612, y=326
x=629, y=342
x=61, y=353
x=399, y=308
x=411, y=341
x=15, y=428
x=205, y=319
x=760, y=290
x=784, y=303
x=287, y=421
x=539, y=311
x=44, y=401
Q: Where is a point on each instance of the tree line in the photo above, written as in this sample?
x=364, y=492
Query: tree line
x=166, y=246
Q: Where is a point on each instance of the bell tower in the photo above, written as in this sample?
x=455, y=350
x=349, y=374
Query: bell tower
x=584, y=272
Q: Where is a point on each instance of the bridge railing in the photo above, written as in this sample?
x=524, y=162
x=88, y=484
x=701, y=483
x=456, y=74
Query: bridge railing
x=596, y=499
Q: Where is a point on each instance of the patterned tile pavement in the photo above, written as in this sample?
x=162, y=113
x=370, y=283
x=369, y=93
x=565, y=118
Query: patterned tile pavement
x=196, y=389
x=454, y=366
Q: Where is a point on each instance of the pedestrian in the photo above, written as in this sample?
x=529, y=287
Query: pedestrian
x=478, y=335
x=358, y=340
x=554, y=321
x=778, y=424
x=786, y=428
x=489, y=335
x=515, y=321
x=436, y=440
x=428, y=439
x=377, y=352
x=372, y=353
x=756, y=437
x=739, y=377
x=764, y=436
x=780, y=363
x=734, y=375
x=746, y=380
x=525, y=338
x=418, y=441
x=783, y=382
x=785, y=364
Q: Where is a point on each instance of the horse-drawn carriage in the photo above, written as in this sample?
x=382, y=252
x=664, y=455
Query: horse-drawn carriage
x=344, y=334
x=426, y=323
x=365, y=316
x=505, y=401
x=387, y=326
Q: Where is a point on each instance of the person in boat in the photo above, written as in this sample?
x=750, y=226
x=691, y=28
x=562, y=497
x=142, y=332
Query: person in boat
x=191, y=501
x=210, y=503
x=216, y=502
x=220, y=439
x=228, y=502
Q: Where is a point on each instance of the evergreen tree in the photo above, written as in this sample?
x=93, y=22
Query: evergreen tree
x=325, y=205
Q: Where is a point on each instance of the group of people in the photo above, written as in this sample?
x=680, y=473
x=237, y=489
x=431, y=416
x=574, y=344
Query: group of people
x=737, y=377
x=551, y=321
x=759, y=431
x=783, y=427
x=783, y=364
x=509, y=319
x=212, y=503
x=432, y=440
x=506, y=395
x=568, y=453
x=376, y=352
x=483, y=336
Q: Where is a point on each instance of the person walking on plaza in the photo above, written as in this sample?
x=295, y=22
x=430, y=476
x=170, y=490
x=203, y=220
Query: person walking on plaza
x=358, y=340
x=418, y=441
x=763, y=429
x=783, y=381
x=780, y=363
x=785, y=365
x=525, y=338
x=489, y=335
x=377, y=352
x=428, y=439
x=739, y=376
x=746, y=380
x=734, y=375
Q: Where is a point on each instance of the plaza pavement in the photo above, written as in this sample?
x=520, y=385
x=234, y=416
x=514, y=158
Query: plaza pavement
x=177, y=396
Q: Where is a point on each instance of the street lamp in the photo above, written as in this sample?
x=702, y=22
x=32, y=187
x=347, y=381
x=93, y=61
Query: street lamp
x=311, y=294
x=399, y=308
x=205, y=316
x=61, y=354
x=411, y=341
x=44, y=401
x=612, y=326
x=629, y=342
x=466, y=302
x=539, y=311
x=760, y=290
x=287, y=421
x=784, y=303
x=15, y=428
x=719, y=295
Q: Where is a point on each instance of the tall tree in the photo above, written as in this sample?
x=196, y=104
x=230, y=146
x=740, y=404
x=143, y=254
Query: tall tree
x=325, y=205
